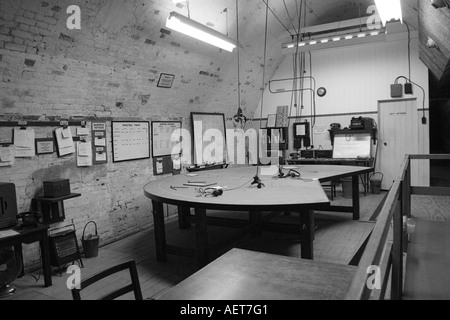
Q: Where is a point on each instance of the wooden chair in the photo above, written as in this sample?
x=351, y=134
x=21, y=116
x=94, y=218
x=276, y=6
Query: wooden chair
x=134, y=286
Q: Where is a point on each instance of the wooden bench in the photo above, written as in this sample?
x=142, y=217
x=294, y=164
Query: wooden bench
x=428, y=261
x=247, y=275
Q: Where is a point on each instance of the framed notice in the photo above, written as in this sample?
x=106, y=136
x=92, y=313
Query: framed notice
x=166, y=80
x=271, y=120
x=130, y=140
x=45, y=146
x=165, y=136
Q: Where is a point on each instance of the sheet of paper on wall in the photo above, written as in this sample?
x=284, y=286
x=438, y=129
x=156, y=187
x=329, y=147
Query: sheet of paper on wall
x=159, y=167
x=24, y=143
x=64, y=141
x=100, y=156
x=7, y=156
x=100, y=142
x=6, y=135
x=84, y=157
x=82, y=131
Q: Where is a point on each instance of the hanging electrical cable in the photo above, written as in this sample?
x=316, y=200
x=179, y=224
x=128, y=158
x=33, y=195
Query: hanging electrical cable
x=289, y=16
x=257, y=180
x=239, y=117
x=268, y=8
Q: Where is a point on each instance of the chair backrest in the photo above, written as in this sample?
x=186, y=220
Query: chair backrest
x=133, y=287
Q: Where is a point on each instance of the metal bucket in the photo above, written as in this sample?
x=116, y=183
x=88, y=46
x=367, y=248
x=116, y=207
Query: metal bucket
x=90, y=243
x=375, y=182
x=347, y=187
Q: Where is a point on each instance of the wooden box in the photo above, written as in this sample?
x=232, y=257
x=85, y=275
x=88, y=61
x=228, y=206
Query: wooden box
x=56, y=188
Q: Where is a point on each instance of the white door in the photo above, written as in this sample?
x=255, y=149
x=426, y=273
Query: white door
x=398, y=136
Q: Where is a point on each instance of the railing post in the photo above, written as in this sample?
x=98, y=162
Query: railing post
x=406, y=191
x=397, y=252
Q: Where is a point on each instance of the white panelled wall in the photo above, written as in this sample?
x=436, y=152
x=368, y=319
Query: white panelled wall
x=356, y=78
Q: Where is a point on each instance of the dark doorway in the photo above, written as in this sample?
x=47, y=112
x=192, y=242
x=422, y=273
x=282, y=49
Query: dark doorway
x=440, y=128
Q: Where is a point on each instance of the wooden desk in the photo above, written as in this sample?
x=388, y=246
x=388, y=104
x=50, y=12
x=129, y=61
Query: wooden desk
x=339, y=162
x=30, y=236
x=283, y=195
x=246, y=275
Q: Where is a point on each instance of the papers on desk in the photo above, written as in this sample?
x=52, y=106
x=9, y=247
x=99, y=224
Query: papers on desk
x=24, y=142
x=8, y=233
x=64, y=141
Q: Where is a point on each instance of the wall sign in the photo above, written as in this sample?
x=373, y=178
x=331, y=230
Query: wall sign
x=166, y=80
x=45, y=146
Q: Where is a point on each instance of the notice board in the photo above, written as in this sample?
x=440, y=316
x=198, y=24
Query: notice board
x=130, y=140
x=163, y=137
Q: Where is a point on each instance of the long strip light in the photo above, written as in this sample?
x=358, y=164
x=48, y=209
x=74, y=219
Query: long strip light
x=389, y=9
x=331, y=39
x=198, y=31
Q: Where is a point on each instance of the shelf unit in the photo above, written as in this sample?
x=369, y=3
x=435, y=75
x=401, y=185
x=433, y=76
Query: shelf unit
x=52, y=209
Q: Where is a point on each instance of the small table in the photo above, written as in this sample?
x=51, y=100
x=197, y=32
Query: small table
x=30, y=236
x=247, y=275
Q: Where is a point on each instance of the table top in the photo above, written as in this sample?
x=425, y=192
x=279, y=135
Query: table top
x=291, y=193
x=23, y=232
x=247, y=275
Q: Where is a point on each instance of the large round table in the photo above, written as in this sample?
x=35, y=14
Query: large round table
x=302, y=194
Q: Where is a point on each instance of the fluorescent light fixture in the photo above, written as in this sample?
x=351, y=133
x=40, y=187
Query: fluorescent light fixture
x=375, y=33
x=389, y=9
x=349, y=37
x=361, y=35
x=324, y=40
x=313, y=42
x=301, y=44
x=336, y=39
x=198, y=31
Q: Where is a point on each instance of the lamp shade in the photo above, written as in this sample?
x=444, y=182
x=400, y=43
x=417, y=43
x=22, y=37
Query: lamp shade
x=389, y=9
x=180, y=23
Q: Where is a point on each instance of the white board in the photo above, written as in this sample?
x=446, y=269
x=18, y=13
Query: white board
x=131, y=140
x=352, y=146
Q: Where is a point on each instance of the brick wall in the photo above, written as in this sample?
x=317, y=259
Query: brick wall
x=108, y=70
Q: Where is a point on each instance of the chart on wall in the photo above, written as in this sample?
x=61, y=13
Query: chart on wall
x=210, y=145
x=165, y=136
x=131, y=140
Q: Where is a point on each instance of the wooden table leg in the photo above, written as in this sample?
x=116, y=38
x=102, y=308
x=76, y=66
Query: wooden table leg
x=160, y=231
x=202, y=236
x=255, y=220
x=355, y=198
x=18, y=249
x=183, y=214
x=307, y=234
x=45, y=253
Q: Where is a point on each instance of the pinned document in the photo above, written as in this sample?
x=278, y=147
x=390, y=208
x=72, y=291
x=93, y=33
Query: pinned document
x=24, y=142
x=84, y=156
x=64, y=141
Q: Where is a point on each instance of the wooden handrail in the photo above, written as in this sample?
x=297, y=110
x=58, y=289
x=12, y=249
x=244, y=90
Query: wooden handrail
x=429, y=157
x=397, y=206
x=374, y=250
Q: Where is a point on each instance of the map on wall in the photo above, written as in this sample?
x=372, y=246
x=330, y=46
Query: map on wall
x=131, y=140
